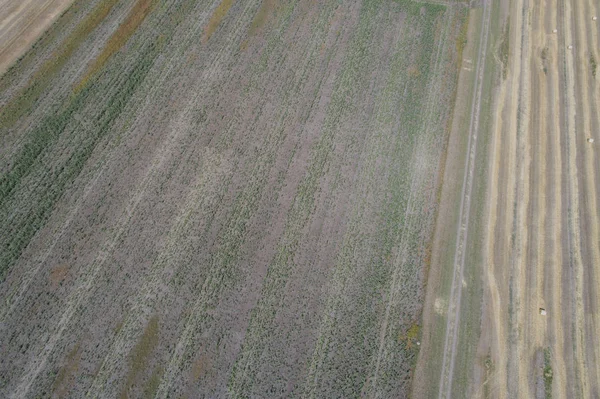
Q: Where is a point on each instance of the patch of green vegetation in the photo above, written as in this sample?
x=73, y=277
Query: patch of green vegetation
x=139, y=358
x=39, y=140
x=413, y=332
x=593, y=65
x=410, y=337
x=504, y=49
x=153, y=383
x=548, y=373
x=61, y=176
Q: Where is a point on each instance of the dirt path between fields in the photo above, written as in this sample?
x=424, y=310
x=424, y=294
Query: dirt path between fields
x=459, y=259
x=22, y=22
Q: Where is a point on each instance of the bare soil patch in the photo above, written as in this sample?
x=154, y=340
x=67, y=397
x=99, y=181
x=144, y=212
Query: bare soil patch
x=21, y=24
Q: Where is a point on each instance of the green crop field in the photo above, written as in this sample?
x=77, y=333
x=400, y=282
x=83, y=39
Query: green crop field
x=230, y=198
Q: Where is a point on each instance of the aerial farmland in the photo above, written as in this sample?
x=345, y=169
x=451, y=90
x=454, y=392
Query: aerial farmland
x=299, y=199
x=230, y=198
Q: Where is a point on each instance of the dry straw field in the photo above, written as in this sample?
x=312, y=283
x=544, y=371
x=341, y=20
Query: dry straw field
x=513, y=294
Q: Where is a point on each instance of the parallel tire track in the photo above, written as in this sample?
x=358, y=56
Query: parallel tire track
x=453, y=314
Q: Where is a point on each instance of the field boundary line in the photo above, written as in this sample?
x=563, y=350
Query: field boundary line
x=453, y=313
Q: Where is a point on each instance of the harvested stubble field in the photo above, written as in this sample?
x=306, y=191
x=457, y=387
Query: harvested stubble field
x=512, y=304
x=228, y=198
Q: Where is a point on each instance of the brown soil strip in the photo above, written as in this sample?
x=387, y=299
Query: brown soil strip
x=216, y=18
x=134, y=19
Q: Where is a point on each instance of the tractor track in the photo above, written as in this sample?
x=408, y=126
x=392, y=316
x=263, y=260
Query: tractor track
x=453, y=314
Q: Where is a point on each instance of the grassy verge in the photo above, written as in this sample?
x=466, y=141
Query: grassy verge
x=472, y=295
x=450, y=195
